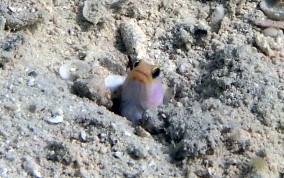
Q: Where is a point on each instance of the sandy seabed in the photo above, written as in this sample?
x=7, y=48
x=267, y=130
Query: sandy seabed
x=224, y=113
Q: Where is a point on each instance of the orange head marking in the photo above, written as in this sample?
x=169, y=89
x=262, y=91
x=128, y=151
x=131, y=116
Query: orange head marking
x=144, y=72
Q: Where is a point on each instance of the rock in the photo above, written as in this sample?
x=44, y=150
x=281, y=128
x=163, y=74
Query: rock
x=33, y=74
x=150, y=122
x=11, y=155
x=273, y=9
x=32, y=108
x=93, y=89
x=96, y=11
x=18, y=18
x=210, y=104
x=12, y=107
x=272, y=32
x=134, y=40
x=141, y=132
x=58, y=152
x=12, y=42
x=261, y=153
x=103, y=149
x=32, y=167
x=136, y=151
x=189, y=34
x=74, y=69
x=187, y=148
x=265, y=44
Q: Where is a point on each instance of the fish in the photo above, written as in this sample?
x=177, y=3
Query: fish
x=141, y=90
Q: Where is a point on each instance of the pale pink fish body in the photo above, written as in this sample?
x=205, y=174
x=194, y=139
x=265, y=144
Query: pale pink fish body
x=141, y=90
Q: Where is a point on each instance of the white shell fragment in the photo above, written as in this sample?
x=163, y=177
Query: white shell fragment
x=113, y=82
x=83, y=135
x=55, y=120
x=74, y=69
x=218, y=14
x=118, y=154
x=134, y=40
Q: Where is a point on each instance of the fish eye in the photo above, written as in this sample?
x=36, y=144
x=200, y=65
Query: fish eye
x=136, y=63
x=155, y=72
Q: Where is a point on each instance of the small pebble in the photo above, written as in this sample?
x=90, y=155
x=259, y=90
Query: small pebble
x=83, y=135
x=141, y=132
x=82, y=55
x=2, y=65
x=74, y=69
x=15, y=9
x=281, y=95
x=11, y=107
x=152, y=164
x=84, y=173
x=57, y=111
x=118, y=154
x=127, y=134
x=93, y=89
x=33, y=74
x=31, y=82
x=11, y=155
x=232, y=161
x=103, y=149
x=137, y=152
x=55, y=120
x=32, y=108
x=272, y=32
x=261, y=153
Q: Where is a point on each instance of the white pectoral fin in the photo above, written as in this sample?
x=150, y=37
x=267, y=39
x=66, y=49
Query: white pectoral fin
x=114, y=82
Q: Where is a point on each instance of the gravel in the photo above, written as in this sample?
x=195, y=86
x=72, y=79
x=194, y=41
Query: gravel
x=222, y=114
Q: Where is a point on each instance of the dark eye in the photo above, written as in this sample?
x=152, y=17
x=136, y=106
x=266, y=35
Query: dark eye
x=136, y=63
x=155, y=72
